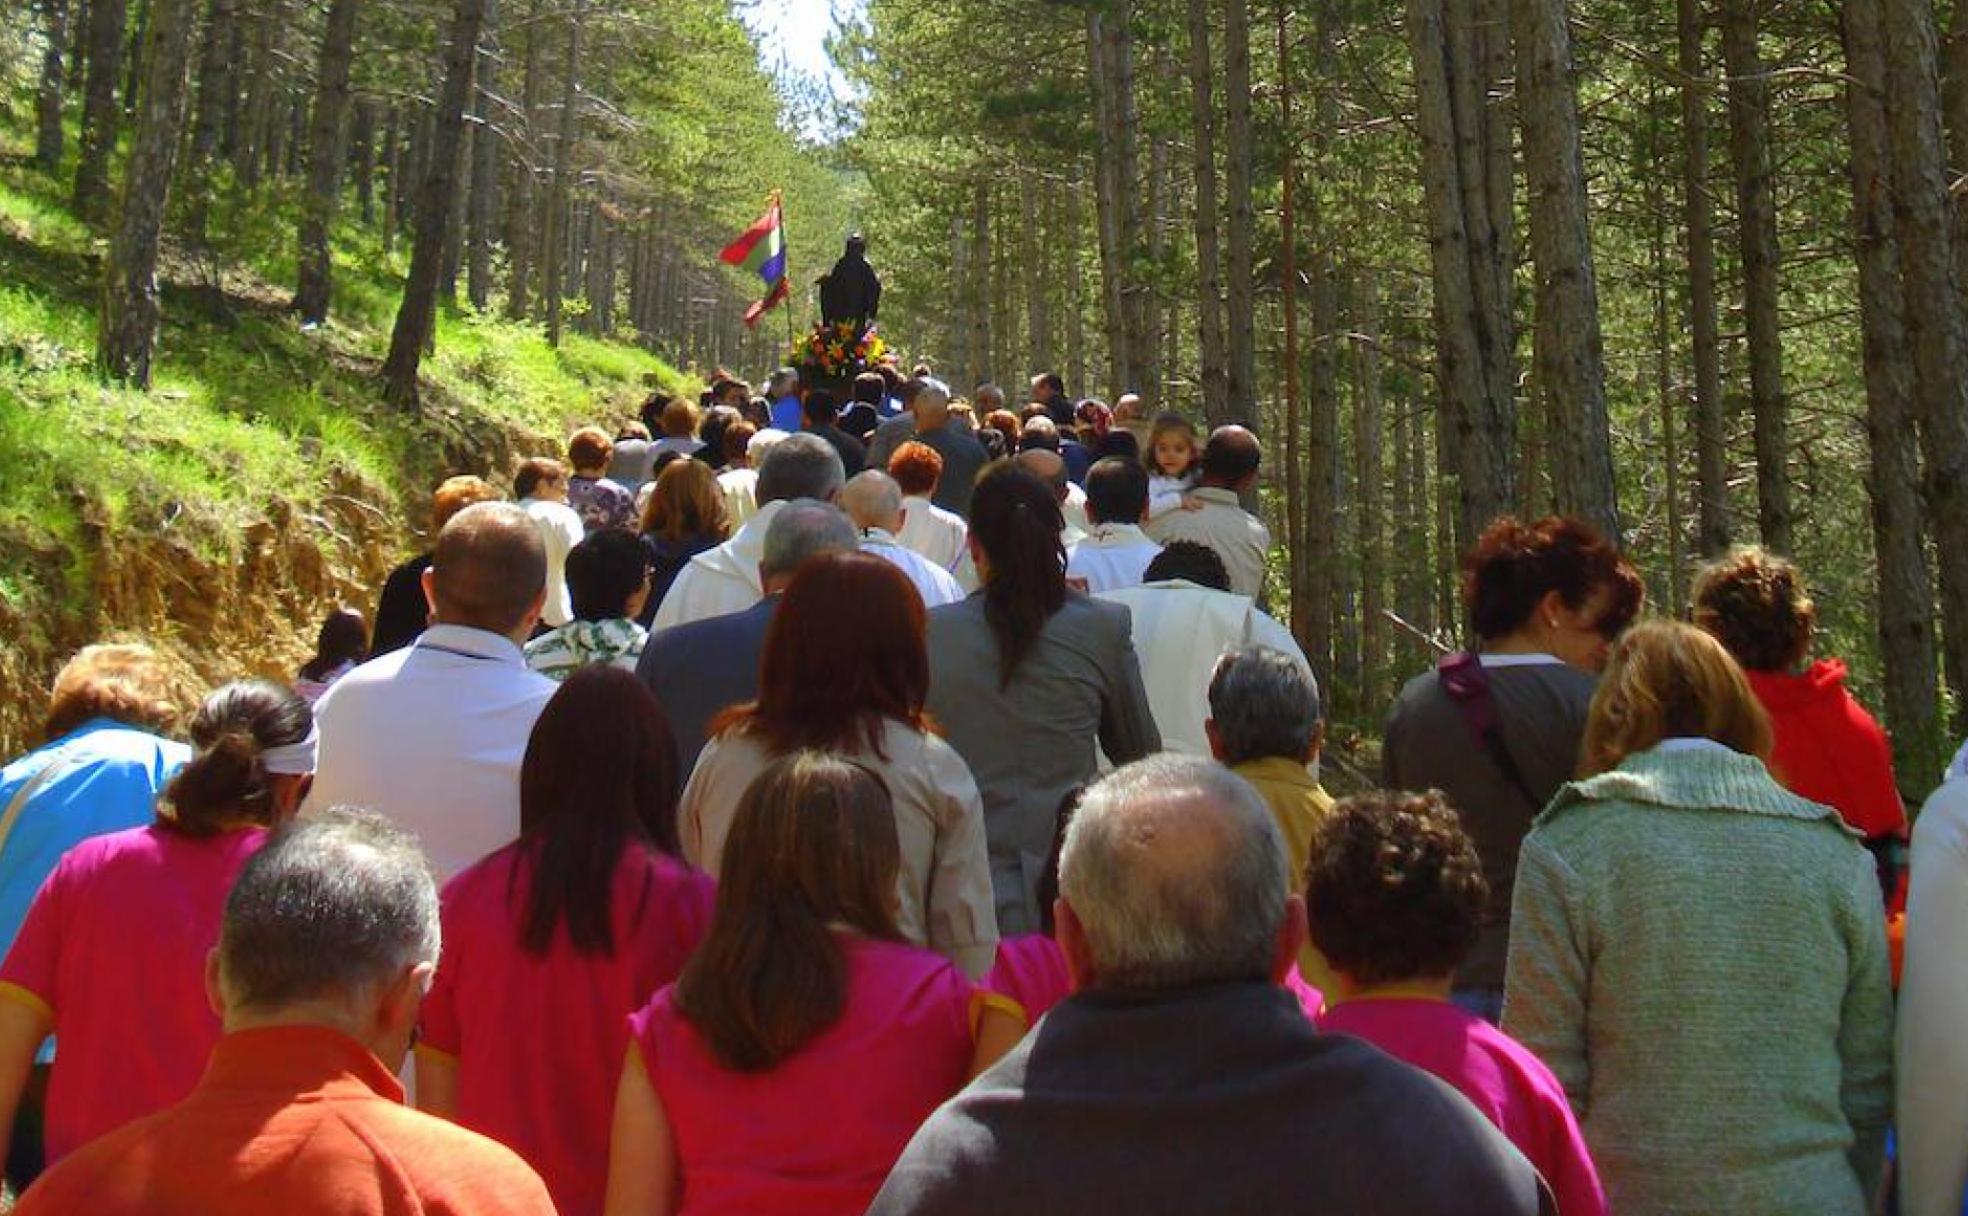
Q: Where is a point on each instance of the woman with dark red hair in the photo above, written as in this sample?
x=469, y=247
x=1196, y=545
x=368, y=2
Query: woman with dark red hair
x=846, y=670
x=1497, y=728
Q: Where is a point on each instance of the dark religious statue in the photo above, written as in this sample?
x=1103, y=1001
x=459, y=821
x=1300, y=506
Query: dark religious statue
x=850, y=291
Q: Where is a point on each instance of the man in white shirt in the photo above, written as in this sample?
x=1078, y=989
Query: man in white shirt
x=431, y=736
x=1184, y=619
x=726, y=579
x=927, y=528
x=1116, y=552
x=541, y=487
x=1230, y=461
x=874, y=502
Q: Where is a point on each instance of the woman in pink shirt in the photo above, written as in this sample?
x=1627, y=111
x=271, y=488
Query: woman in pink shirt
x=801, y=1048
x=552, y=942
x=112, y=956
x=1394, y=895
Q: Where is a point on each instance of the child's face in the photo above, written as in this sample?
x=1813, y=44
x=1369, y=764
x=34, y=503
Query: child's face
x=1173, y=452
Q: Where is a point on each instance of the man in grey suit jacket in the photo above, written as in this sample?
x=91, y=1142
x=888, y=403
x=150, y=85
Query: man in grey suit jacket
x=700, y=669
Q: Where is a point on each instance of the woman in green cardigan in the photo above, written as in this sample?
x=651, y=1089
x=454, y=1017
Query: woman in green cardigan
x=1699, y=955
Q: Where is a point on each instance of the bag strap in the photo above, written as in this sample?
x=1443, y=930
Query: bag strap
x=25, y=794
x=1467, y=686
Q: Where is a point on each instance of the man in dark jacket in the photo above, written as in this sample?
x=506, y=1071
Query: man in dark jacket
x=1180, y=1077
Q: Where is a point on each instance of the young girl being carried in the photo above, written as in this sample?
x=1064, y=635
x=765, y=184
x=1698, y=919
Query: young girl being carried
x=1172, y=456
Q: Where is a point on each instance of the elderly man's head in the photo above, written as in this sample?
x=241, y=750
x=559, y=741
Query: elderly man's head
x=1047, y=466
x=804, y=527
x=1230, y=458
x=334, y=923
x=800, y=466
x=1039, y=433
x=1173, y=875
x=1263, y=705
x=987, y=397
x=930, y=404
x=489, y=571
x=1117, y=491
x=873, y=500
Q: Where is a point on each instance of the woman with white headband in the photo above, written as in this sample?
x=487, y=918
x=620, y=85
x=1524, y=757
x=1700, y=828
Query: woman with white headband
x=112, y=957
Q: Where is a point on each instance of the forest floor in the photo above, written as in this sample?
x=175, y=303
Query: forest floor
x=262, y=481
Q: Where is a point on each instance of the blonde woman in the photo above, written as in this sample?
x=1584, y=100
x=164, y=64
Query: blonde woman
x=1699, y=955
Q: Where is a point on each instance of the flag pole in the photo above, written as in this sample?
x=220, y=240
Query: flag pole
x=786, y=252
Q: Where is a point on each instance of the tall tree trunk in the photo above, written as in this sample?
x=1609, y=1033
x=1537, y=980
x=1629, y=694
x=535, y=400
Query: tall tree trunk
x=553, y=239
x=127, y=332
x=1321, y=535
x=1076, y=362
x=520, y=192
x=957, y=337
x=1124, y=118
x=1704, y=328
x=48, y=98
x=1368, y=479
x=132, y=59
x=1212, y=369
x=91, y=196
x=215, y=81
x=485, y=147
x=416, y=318
x=325, y=155
x=1665, y=396
x=1749, y=154
x=1931, y=308
x=977, y=284
x=1906, y=594
x=363, y=157
x=1570, y=352
x=1954, y=99
x=392, y=176
x=1038, y=316
x=1240, y=385
x=1109, y=187
x=1298, y=551
x=1476, y=435
x=256, y=120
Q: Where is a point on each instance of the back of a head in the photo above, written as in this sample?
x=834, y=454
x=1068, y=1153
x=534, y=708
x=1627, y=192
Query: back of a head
x=872, y=499
x=603, y=572
x=599, y=773
x=1041, y=434
x=738, y=441
x=1191, y=561
x=1515, y=565
x=1118, y=443
x=1666, y=680
x=812, y=846
x=589, y=448
x=344, y=638
x=917, y=468
x=686, y=502
x=333, y=908
x=535, y=472
x=805, y=528
x=820, y=408
x=1231, y=455
x=931, y=402
x=1046, y=465
x=1263, y=705
x=716, y=422
x=125, y=682
x=679, y=419
x=870, y=388
x=800, y=466
x=226, y=782
x=1756, y=603
x=1176, y=873
x=454, y=494
x=1394, y=888
x=651, y=410
x=489, y=568
x=1015, y=519
x=1117, y=491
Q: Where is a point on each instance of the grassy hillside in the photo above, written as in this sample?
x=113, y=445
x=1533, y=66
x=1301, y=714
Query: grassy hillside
x=263, y=480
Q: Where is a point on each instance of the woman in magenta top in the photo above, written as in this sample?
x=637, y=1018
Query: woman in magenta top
x=804, y=1044
x=551, y=942
x=112, y=955
x=1394, y=896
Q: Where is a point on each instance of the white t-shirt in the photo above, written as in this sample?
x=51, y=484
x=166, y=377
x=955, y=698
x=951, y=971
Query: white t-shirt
x=1111, y=557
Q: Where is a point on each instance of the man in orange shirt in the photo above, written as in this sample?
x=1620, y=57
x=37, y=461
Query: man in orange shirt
x=329, y=941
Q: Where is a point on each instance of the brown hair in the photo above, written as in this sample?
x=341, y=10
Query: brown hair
x=1667, y=680
x=1514, y=565
x=1756, y=604
x=812, y=846
x=1006, y=423
x=454, y=494
x=679, y=418
x=686, y=502
x=588, y=448
x=1015, y=519
x=536, y=471
x=916, y=467
x=125, y=682
x=1394, y=888
x=224, y=784
x=737, y=441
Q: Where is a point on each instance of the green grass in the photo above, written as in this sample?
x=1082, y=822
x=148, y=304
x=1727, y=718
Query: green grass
x=246, y=408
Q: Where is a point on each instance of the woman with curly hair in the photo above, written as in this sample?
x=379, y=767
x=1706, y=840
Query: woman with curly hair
x=1394, y=893
x=1497, y=728
x=1828, y=748
x=1699, y=955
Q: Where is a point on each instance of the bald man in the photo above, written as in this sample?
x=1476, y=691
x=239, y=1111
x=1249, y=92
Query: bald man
x=1049, y=466
x=1177, y=923
x=431, y=736
x=1230, y=462
x=930, y=424
x=873, y=501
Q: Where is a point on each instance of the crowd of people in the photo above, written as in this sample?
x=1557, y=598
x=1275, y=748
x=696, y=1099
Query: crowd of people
x=892, y=802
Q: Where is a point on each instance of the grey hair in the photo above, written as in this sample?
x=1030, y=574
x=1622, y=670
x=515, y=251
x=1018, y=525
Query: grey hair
x=1176, y=873
x=800, y=466
x=871, y=499
x=805, y=528
x=333, y=906
x=1263, y=704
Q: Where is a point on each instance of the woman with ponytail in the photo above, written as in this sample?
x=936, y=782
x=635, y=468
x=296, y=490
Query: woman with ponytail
x=1025, y=676
x=806, y=1040
x=113, y=954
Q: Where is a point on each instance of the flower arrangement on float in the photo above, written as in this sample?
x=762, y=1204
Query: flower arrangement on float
x=838, y=351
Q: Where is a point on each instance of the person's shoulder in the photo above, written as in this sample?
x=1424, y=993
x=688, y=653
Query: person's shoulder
x=1097, y=614
x=453, y=1168
x=105, y=1177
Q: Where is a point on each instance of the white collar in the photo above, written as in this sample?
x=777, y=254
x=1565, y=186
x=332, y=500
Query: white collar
x=1519, y=660
x=468, y=642
x=879, y=536
x=1114, y=535
x=1685, y=743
